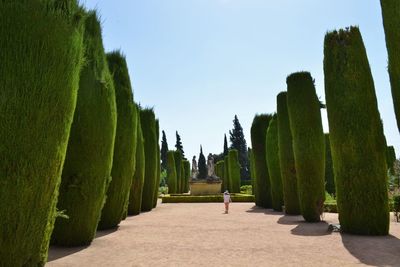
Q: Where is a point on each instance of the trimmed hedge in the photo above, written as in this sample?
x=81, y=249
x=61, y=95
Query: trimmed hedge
x=228, y=183
x=171, y=173
x=252, y=170
x=158, y=173
x=308, y=144
x=186, y=165
x=124, y=163
x=390, y=159
x=391, y=24
x=87, y=169
x=38, y=95
x=329, y=177
x=258, y=138
x=148, y=122
x=286, y=158
x=356, y=134
x=136, y=191
x=272, y=149
x=220, y=172
x=206, y=199
x=234, y=170
x=178, y=167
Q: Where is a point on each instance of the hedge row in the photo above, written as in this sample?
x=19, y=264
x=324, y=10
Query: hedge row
x=234, y=171
x=205, y=199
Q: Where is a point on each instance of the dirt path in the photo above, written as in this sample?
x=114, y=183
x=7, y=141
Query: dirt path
x=201, y=235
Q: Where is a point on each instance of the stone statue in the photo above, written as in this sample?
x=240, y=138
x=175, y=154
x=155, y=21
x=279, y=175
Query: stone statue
x=194, y=168
x=210, y=165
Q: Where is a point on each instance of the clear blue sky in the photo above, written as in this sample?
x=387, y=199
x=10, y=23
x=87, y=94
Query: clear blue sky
x=200, y=62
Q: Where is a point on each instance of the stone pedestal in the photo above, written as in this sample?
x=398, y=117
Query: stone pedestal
x=201, y=188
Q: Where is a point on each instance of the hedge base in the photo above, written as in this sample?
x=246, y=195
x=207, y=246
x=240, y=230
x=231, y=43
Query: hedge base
x=185, y=198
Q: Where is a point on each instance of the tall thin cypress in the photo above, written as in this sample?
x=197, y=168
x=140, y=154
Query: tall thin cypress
x=234, y=170
x=226, y=173
x=171, y=173
x=356, y=135
x=186, y=165
x=178, y=167
x=164, y=150
x=329, y=177
x=202, y=165
x=308, y=144
x=286, y=158
x=158, y=166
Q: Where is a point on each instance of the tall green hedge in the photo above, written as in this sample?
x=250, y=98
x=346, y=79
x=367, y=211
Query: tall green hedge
x=258, y=138
x=39, y=76
x=124, y=162
x=286, y=158
x=228, y=183
x=234, y=170
x=329, y=177
x=136, y=191
x=171, y=173
x=252, y=170
x=390, y=159
x=272, y=149
x=158, y=173
x=391, y=24
x=186, y=165
x=148, y=122
x=178, y=167
x=356, y=133
x=220, y=169
x=87, y=170
x=308, y=144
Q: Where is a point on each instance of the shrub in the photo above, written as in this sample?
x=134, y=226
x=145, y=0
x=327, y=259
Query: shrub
x=234, y=170
x=88, y=162
x=329, y=177
x=391, y=24
x=308, y=143
x=246, y=189
x=258, y=137
x=136, y=191
x=148, y=122
x=178, y=167
x=252, y=170
x=186, y=165
x=220, y=168
x=171, y=173
x=286, y=158
x=33, y=99
x=390, y=159
x=206, y=199
x=158, y=166
x=272, y=149
x=226, y=174
x=356, y=135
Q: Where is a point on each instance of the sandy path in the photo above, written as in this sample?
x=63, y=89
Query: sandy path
x=201, y=235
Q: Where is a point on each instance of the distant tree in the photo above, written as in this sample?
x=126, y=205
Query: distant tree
x=202, y=165
x=164, y=150
x=238, y=142
x=226, y=149
x=218, y=157
x=178, y=144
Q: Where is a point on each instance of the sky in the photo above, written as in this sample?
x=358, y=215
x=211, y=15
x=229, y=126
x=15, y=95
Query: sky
x=200, y=62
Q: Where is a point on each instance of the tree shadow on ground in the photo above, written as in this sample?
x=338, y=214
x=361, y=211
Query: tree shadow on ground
x=304, y=228
x=373, y=250
x=58, y=252
x=256, y=209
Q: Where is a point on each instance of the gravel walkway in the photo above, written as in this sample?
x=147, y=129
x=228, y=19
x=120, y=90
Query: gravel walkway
x=201, y=235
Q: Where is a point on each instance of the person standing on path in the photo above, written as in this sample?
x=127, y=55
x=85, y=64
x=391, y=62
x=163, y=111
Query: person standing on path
x=227, y=200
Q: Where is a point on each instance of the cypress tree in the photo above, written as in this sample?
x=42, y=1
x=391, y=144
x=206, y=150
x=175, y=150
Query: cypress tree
x=252, y=170
x=178, y=144
x=226, y=149
x=171, y=173
x=178, y=167
x=136, y=191
x=124, y=162
x=186, y=165
x=356, y=135
x=202, y=165
x=258, y=138
x=88, y=163
x=308, y=144
x=238, y=142
x=234, y=170
x=158, y=173
x=148, y=122
x=391, y=24
x=274, y=168
x=164, y=150
x=34, y=98
x=390, y=159
x=227, y=181
x=220, y=166
x=286, y=158
x=329, y=178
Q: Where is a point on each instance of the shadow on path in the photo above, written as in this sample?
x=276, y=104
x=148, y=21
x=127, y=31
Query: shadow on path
x=58, y=252
x=373, y=250
x=304, y=228
x=256, y=209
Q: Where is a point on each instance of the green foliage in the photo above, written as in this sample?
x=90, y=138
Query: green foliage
x=227, y=180
x=258, y=138
x=234, y=171
x=356, y=135
x=148, y=123
x=164, y=150
x=202, y=165
x=252, y=170
x=136, y=190
x=178, y=144
x=171, y=173
x=329, y=177
x=178, y=167
x=308, y=143
x=390, y=159
x=38, y=95
x=220, y=172
x=186, y=165
x=391, y=24
x=124, y=162
x=272, y=149
x=246, y=189
x=396, y=206
x=238, y=142
x=87, y=168
x=206, y=199
x=158, y=166
x=286, y=158
x=226, y=149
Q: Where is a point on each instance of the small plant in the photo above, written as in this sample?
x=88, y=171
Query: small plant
x=396, y=207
